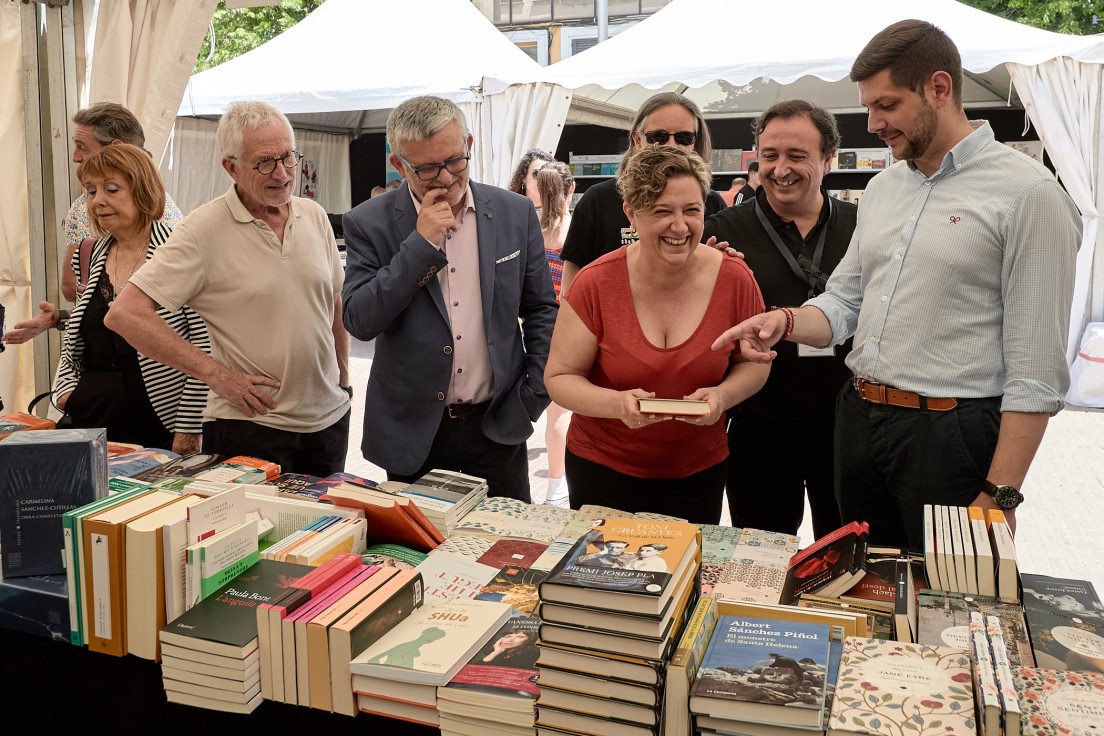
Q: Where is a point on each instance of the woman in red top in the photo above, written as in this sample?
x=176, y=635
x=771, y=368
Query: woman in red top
x=638, y=323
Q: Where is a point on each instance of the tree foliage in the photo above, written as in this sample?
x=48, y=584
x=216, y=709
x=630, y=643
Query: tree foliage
x=1063, y=16
x=244, y=29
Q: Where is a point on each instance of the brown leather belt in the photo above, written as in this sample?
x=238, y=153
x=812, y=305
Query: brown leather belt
x=466, y=409
x=878, y=393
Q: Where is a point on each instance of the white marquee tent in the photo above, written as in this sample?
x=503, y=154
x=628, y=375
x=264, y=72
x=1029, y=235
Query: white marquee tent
x=741, y=57
x=347, y=64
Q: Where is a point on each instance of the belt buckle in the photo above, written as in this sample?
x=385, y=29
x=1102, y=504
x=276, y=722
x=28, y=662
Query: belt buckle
x=871, y=391
x=451, y=414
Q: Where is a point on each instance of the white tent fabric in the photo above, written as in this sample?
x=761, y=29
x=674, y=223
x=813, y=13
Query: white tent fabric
x=1057, y=76
x=144, y=52
x=16, y=366
x=203, y=178
x=809, y=43
x=1063, y=97
x=350, y=60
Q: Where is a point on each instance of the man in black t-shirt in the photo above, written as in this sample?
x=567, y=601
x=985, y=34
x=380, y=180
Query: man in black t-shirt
x=792, y=235
x=598, y=223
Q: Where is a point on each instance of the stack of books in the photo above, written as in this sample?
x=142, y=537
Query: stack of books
x=760, y=673
x=888, y=688
x=495, y=692
x=398, y=675
x=970, y=550
x=276, y=622
x=209, y=655
x=888, y=591
x=611, y=611
x=392, y=518
x=446, y=496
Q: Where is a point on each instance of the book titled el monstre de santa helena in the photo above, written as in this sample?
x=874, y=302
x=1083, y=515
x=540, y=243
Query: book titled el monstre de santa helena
x=629, y=565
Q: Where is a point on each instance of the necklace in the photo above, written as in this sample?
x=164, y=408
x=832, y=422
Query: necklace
x=110, y=292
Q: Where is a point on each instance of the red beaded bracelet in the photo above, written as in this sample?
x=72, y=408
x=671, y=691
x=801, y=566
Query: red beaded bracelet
x=789, y=320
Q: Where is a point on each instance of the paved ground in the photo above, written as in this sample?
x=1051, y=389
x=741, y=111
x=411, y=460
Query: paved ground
x=1061, y=527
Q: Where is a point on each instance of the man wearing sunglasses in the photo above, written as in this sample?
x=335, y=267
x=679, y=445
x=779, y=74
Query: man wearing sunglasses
x=449, y=277
x=599, y=224
x=261, y=267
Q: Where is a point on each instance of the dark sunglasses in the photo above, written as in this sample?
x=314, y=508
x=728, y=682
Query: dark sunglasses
x=683, y=137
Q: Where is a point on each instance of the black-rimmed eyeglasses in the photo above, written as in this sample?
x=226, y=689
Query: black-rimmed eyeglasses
x=429, y=172
x=683, y=137
x=289, y=161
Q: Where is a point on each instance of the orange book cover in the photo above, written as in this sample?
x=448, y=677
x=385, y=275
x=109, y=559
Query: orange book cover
x=318, y=637
x=389, y=520
x=20, y=421
x=105, y=550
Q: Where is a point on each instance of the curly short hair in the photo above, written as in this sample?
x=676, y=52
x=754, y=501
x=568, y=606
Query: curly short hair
x=136, y=167
x=517, y=179
x=644, y=174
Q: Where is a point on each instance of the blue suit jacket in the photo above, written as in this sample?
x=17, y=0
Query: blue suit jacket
x=392, y=295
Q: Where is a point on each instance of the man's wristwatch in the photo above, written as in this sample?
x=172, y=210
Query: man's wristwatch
x=1006, y=497
x=63, y=320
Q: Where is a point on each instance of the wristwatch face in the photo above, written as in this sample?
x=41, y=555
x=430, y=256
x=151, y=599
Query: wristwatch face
x=1007, y=497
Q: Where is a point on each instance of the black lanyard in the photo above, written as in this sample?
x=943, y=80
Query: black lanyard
x=818, y=251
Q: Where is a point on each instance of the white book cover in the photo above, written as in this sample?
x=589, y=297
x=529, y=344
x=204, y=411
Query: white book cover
x=983, y=550
x=215, y=514
x=214, y=561
x=447, y=576
x=288, y=515
x=174, y=544
x=1006, y=686
x=945, y=553
x=968, y=553
x=931, y=541
x=433, y=642
x=1008, y=577
x=957, y=548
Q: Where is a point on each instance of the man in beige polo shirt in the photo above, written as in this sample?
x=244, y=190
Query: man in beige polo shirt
x=263, y=270
x=440, y=273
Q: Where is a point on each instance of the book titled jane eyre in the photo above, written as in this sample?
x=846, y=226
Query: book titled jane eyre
x=629, y=565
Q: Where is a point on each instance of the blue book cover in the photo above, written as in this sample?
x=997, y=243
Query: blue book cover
x=37, y=605
x=764, y=671
x=43, y=474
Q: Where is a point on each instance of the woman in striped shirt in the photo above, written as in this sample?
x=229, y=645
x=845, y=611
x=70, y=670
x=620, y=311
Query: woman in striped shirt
x=102, y=381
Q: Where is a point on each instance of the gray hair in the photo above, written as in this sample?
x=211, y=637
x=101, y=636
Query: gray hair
x=421, y=118
x=110, y=122
x=242, y=115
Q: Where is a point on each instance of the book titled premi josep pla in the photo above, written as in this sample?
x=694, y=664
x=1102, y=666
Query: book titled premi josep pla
x=629, y=565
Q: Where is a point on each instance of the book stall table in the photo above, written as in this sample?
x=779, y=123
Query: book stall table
x=60, y=688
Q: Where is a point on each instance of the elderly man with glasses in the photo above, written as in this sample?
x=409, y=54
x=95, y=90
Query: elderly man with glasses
x=261, y=267
x=450, y=279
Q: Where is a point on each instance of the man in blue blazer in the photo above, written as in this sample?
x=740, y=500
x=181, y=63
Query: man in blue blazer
x=451, y=280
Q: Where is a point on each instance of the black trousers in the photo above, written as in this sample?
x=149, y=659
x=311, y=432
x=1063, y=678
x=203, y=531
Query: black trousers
x=890, y=461
x=696, y=498
x=461, y=446
x=773, y=461
x=318, y=453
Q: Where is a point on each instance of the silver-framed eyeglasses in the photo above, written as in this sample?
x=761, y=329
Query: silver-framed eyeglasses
x=289, y=161
x=429, y=172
